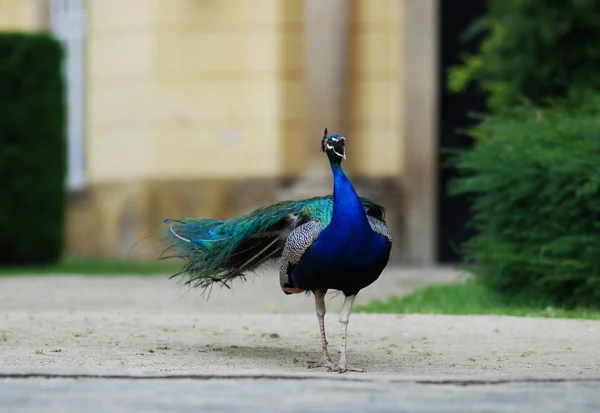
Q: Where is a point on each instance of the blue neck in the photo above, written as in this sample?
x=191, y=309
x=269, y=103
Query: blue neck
x=348, y=210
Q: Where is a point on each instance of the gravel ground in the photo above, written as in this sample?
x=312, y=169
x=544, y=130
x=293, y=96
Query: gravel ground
x=145, y=344
x=150, y=324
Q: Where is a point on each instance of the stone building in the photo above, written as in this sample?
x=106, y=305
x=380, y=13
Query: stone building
x=214, y=107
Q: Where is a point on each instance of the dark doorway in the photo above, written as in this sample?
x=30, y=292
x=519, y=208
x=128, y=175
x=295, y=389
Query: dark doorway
x=453, y=212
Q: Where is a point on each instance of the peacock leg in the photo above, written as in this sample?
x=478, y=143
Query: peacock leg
x=320, y=310
x=342, y=366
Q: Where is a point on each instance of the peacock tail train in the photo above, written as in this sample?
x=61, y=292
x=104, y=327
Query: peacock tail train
x=218, y=251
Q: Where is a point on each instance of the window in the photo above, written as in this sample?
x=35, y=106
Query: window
x=67, y=19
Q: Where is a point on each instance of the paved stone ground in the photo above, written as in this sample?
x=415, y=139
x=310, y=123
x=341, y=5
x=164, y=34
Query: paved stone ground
x=292, y=395
x=247, y=349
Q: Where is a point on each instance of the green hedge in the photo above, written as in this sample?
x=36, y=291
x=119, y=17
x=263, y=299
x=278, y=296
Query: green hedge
x=32, y=149
x=533, y=50
x=536, y=174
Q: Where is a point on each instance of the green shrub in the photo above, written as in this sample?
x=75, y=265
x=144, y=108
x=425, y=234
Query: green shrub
x=536, y=174
x=532, y=50
x=32, y=149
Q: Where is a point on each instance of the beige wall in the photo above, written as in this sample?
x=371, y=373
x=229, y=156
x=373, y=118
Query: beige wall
x=194, y=89
x=23, y=14
x=374, y=106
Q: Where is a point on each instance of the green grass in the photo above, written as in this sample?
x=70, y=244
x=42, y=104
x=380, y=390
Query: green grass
x=469, y=298
x=97, y=267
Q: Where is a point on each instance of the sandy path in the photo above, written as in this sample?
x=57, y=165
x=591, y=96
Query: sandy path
x=144, y=324
x=260, y=294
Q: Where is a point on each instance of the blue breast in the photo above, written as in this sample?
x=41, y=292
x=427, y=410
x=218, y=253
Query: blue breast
x=348, y=255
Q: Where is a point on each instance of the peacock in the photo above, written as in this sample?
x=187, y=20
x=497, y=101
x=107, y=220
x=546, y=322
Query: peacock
x=338, y=242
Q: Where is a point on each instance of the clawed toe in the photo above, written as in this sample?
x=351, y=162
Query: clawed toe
x=332, y=367
x=322, y=363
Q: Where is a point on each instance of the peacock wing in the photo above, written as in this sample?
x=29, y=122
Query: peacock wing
x=380, y=227
x=296, y=245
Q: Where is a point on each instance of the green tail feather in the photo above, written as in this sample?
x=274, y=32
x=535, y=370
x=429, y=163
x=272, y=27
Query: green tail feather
x=218, y=251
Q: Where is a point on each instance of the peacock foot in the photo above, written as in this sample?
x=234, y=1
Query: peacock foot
x=324, y=362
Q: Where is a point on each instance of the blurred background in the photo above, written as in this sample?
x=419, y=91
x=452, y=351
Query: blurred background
x=215, y=107
x=475, y=123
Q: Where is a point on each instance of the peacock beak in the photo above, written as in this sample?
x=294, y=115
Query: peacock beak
x=339, y=147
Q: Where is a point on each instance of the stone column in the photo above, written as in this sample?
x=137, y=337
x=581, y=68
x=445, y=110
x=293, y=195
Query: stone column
x=420, y=86
x=326, y=43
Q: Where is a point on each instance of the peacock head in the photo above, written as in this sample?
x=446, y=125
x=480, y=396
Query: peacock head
x=334, y=146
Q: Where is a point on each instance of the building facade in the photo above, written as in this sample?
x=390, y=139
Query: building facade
x=215, y=107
